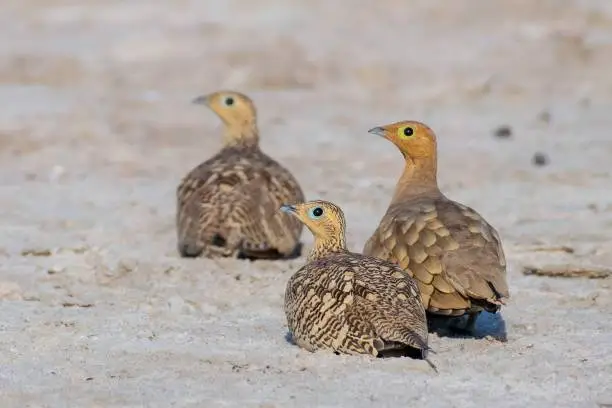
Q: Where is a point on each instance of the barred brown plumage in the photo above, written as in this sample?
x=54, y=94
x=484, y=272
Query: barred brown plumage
x=454, y=254
x=350, y=303
x=227, y=206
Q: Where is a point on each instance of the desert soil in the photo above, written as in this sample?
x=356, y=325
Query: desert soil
x=96, y=130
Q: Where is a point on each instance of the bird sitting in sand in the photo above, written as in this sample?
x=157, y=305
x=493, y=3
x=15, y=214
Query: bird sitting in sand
x=228, y=205
x=454, y=254
x=350, y=303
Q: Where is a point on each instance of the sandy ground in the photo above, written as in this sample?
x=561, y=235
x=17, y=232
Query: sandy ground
x=96, y=130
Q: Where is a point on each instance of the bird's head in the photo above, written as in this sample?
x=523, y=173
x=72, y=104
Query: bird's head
x=324, y=219
x=415, y=140
x=236, y=110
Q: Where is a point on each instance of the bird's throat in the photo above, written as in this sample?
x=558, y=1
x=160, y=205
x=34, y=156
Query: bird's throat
x=418, y=178
x=326, y=246
x=241, y=134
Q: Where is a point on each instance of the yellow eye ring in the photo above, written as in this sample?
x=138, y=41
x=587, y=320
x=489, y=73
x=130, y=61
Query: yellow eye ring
x=406, y=131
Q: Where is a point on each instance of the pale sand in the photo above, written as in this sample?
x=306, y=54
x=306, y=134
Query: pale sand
x=96, y=130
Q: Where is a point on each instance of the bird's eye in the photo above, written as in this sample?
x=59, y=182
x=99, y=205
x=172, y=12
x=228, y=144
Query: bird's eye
x=229, y=101
x=316, y=212
x=408, y=131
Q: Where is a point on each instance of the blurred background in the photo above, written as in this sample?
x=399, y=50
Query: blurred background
x=100, y=91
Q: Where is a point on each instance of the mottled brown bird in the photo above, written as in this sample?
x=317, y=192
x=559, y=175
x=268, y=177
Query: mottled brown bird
x=350, y=303
x=228, y=205
x=454, y=254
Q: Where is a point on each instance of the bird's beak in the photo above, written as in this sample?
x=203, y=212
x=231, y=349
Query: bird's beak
x=378, y=131
x=201, y=100
x=289, y=209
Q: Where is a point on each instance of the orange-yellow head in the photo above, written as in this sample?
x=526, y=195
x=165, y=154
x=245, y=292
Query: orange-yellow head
x=415, y=140
x=238, y=114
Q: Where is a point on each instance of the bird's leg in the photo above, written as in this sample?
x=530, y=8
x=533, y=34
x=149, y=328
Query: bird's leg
x=470, y=324
x=469, y=328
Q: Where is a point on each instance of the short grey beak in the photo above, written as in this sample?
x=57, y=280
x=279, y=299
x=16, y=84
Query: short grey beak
x=201, y=100
x=289, y=209
x=377, y=131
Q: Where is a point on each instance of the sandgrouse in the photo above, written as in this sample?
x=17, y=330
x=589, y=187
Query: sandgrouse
x=351, y=303
x=228, y=205
x=454, y=254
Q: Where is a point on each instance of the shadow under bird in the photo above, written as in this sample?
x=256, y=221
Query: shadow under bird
x=350, y=303
x=455, y=256
x=227, y=206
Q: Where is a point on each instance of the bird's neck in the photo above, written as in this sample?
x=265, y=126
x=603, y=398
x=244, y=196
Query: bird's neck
x=326, y=246
x=241, y=134
x=418, y=179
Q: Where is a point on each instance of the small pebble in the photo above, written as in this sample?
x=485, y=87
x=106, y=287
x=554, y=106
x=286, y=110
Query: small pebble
x=503, y=132
x=539, y=159
x=54, y=270
x=544, y=117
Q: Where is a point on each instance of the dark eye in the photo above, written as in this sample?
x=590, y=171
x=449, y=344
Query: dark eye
x=408, y=131
x=229, y=101
x=316, y=212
